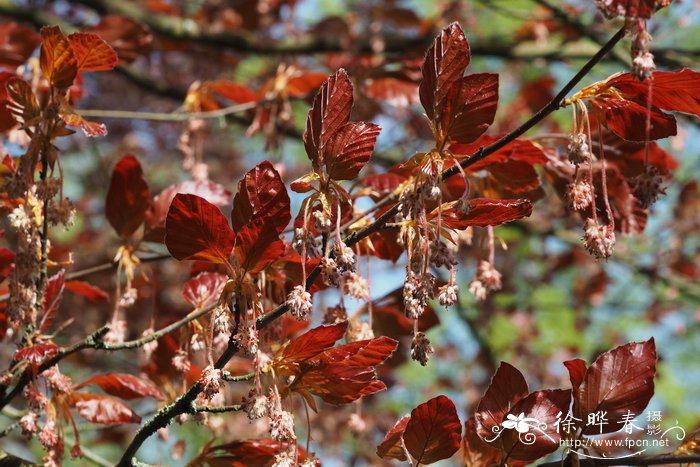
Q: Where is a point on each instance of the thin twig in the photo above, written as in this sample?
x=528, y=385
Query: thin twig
x=215, y=409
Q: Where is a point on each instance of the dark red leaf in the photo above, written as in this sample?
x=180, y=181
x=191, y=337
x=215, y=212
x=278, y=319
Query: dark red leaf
x=7, y=263
x=105, y=410
x=127, y=37
x=196, y=229
x=17, y=42
x=470, y=107
x=338, y=384
x=676, y=91
x=542, y=435
x=22, y=103
x=627, y=119
x=349, y=150
x=57, y=59
x=257, y=452
x=483, y=212
x=445, y=63
x=577, y=370
x=123, y=385
x=91, y=52
x=619, y=381
x=370, y=352
x=312, y=342
x=258, y=244
x=301, y=86
x=89, y=291
x=434, y=431
x=391, y=446
x=261, y=193
x=233, y=91
x=158, y=211
x=330, y=111
x=36, y=354
x=52, y=299
x=507, y=387
x=127, y=197
x=91, y=129
x=475, y=451
x=204, y=289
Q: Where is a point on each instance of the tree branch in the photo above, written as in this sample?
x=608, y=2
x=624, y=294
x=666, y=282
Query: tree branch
x=183, y=403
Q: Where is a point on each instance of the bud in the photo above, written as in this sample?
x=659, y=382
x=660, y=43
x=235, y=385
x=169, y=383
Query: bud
x=356, y=286
x=579, y=194
x=255, y=405
x=647, y=186
x=211, y=381
x=448, y=294
x=489, y=276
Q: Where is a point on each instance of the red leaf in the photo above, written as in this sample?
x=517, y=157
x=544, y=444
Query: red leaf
x=330, y=111
x=337, y=384
x=57, y=59
x=196, y=229
x=127, y=197
x=89, y=291
x=158, y=211
x=7, y=263
x=258, y=245
x=469, y=107
x=370, y=352
x=91, y=129
x=128, y=38
x=300, y=86
x=17, y=42
x=204, y=289
x=677, y=91
x=258, y=452
x=22, y=103
x=483, y=212
x=36, y=354
x=395, y=89
x=261, y=193
x=52, y=299
x=577, y=370
x=123, y=385
x=105, y=410
x=312, y=342
x=391, y=446
x=434, y=431
x=233, y=91
x=619, y=381
x=91, y=52
x=542, y=406
x=475, y=451
x=445, y=63
x=349, y=149
x=627, y=119
x=507, y=387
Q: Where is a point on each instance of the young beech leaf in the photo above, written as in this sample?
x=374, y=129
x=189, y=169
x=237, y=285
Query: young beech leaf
x=127, y=37
x=577, y=371
x=258, y=452
x=128, y=197
x=619, y=381
x=349, y=150
x=123, y=385
x=36, y=354
x=542, y=435
x=627, y=119
x=311, y=343
x=329, y=112
x=204, y=289
x=22, y=102
x=470, y=107
x=258, y=244
x=475, y=451
x=196, y=229
x=17, y=42
x=507, y=387
x=57, y=60
x=483, y=212
x=392, y=446
x=676, y=91
x=91, y=52
x=434, y=431
x=89, y=291
x=444, y=65
x=261, y=193
x=91, y=129
x=101, y=409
